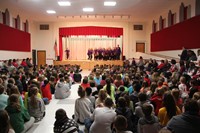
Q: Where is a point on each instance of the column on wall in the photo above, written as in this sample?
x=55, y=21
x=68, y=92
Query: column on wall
x=25, y=26
x=189, y=11
x=170, y=21
x=171, y=18
x=185, y=12
x=181, y=12
x=18, y=23
x=7, y=17
x=161, y=23
x=154, y=26
x=197, y=7
x=1, y=17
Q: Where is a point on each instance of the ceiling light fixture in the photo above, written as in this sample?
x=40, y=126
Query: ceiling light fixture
x=110, y=3
x=64, y=3
x=51, y=11
x=88, y=9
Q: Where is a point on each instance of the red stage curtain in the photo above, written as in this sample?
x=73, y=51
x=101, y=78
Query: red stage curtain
x=14, y=39
x=184, y=34
x=87, y=30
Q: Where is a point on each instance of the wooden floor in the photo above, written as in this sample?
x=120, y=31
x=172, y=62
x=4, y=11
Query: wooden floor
x=88, y=64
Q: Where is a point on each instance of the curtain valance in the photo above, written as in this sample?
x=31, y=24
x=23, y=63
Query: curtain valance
x=91, y=30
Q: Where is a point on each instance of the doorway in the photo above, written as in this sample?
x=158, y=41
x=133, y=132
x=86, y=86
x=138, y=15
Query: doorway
x=140, y=47
x=41, y=57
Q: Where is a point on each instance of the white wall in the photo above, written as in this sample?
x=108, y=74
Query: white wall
x=44, y=40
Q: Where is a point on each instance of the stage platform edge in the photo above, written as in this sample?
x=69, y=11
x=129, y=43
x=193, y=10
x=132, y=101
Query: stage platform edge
x=88, y=64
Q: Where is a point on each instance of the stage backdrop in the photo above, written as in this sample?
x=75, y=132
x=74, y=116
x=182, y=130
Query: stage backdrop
x=184, y=34
x=84, y=37
x=12, y=39
x=79, y=45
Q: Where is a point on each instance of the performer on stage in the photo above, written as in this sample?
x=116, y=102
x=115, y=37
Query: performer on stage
x=96, y=56
x=100, y=52
x=67, y=53
x=89, y=53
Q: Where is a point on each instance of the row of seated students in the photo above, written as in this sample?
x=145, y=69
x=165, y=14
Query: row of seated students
x=116, y=90
x=23, y=94
x=168, y=96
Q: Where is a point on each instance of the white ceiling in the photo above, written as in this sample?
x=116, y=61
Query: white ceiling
x=138, y=9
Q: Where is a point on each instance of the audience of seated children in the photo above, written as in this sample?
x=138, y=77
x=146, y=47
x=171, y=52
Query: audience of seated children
x=178, y=100
x=63, y=124
x=123, y=110
x=103, y=118
x=36, y=107
x=46, y=90
x=138, y=106
x=120, y=124
x=5, y=126
x=168, y=110
x=19, y=117
x=157, y=100
x=3, y=97
x=188, y=121
x=27, y=95
x=83, y=107
x=62, y=90
x=85, y=83
x=102, y=95
x=164, y=75
x=149, y=123
x=14, y=90
x=90, y=97
x=110, y=89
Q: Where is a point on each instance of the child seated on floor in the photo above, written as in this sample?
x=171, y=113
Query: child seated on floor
x=36, y=107
x=65, y=125
x=19, y=117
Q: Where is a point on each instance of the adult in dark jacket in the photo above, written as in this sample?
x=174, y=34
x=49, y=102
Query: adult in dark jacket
x=184, y=54
x=189, y=121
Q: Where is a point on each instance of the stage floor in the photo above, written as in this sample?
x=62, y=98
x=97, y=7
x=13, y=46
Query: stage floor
x=88, y=64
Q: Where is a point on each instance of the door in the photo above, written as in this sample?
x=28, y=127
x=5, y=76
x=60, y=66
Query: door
x=140, y=47
x=41, y=57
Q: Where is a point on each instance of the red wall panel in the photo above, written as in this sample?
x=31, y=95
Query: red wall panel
x=13, y=39
x=185, y=34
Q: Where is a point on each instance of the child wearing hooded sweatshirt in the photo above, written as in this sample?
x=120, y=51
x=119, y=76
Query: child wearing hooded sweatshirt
x=149, y=123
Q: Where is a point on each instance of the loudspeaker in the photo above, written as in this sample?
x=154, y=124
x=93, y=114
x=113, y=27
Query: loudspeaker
x=58, y=58
x=123, y=57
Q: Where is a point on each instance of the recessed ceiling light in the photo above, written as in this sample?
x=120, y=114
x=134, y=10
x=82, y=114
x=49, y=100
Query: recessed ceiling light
x=88, y=9
x=64, y=3
x=110, y=3
x=51, y=11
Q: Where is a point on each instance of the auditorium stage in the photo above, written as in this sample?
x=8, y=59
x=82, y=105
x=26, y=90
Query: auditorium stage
x=88, y=64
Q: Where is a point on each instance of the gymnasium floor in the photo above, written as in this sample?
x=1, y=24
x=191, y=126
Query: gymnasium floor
x=46, y=125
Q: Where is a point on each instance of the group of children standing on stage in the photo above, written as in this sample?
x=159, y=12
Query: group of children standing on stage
x=104, y=53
